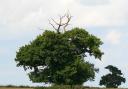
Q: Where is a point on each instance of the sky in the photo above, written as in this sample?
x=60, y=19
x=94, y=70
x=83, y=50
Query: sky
x=21, y=21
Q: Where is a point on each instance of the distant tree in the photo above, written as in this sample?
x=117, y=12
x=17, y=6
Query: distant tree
x=58, y=57
x=113, y=79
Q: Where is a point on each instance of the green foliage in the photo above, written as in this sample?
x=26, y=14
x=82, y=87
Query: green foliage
x=59, y=58
x=113, y=79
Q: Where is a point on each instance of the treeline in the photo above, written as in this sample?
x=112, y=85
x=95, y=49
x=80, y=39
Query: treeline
x=15, y=86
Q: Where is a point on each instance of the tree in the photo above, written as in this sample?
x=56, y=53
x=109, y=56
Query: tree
x=113, y=79
x=56, y=57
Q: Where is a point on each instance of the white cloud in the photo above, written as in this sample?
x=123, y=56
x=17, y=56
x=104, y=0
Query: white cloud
x=21, y=17
x=93, y=2
x=113, y=37
x=30, y=14
x=112, y=14
x=18, y=18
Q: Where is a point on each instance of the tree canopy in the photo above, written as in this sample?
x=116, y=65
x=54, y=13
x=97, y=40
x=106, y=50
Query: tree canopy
x=113, y=79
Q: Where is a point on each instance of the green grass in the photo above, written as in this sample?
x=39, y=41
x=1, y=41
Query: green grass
x=66, y=87
x=73, y=87
x=53, y=87
x=14, y=88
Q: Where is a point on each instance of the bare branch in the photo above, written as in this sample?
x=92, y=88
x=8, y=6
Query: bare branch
x=68, y=20
x=52, y=25
x=60, y=23
x=55, y=22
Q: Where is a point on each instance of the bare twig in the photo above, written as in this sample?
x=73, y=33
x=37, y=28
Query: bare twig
x=68, y=20
x=60, y=23
x=52, y=25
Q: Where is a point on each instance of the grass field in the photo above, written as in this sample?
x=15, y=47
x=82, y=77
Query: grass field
x=61, y=88
x=54, y=87
x=15, y=88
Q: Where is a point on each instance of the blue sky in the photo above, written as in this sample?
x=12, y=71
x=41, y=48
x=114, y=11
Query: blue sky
x=20, y=21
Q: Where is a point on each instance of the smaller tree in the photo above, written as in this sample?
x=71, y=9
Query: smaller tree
x=113, y=79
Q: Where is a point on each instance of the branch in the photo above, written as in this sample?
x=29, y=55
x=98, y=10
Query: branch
x=52, y=25
x=55, y=21
x=68, y=20
x=60, y=22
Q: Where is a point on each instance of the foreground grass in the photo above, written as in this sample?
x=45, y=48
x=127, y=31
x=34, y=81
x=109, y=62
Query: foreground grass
x=16, y=88
x=76, y=88
x=61, y=88
x=53, y=87
x=64, y=87
x=73, y=87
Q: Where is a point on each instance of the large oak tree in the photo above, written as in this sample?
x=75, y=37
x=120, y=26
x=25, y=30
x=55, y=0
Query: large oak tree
x=60, y=57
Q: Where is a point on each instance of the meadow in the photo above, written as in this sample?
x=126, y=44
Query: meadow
x=54, y=87
x=15, y=88
x=61, y=88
